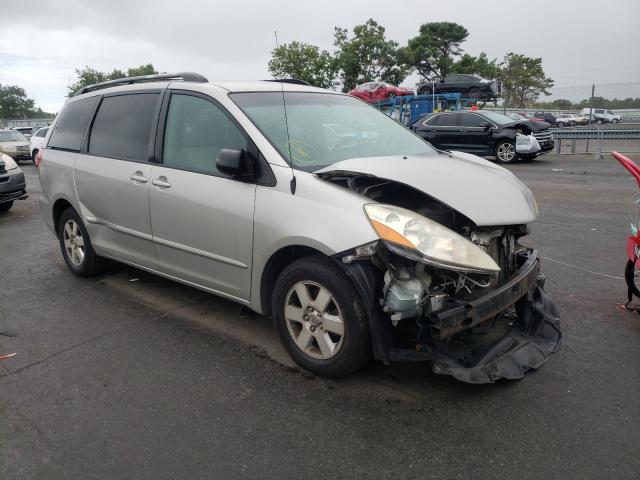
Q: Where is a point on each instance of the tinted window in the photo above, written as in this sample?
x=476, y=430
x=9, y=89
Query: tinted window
x=196, y=131
x=471, y=120
x=72, y=123
x=444, y=120
x=123, y=125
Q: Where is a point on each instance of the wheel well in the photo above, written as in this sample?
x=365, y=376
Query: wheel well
x=58, y=207
x=278, y=261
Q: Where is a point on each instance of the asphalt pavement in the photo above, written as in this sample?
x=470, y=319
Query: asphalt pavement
x=128, y=375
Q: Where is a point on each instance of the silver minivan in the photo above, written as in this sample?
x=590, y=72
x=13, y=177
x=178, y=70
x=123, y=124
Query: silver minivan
x=311, y=206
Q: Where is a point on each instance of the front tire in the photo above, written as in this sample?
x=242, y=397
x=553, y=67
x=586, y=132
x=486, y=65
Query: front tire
x=320, y=318
x=630, y=278
x=6, y=206
x=505, y=152
x=33, y=155
x=76, y=247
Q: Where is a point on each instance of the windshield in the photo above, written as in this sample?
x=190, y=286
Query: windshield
x=326, y=128
x=497, y=118
x=12, y=136
x=516, y=116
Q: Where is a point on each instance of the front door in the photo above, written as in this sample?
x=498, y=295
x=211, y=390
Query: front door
x=202, y=220
x=474, y=136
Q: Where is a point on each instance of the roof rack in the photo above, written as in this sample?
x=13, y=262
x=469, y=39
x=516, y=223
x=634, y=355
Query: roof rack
x=184, y=76
x=294, y=81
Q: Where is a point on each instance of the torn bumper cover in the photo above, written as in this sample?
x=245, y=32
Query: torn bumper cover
x=534, y=334
x=503, y=334
x=513, y=343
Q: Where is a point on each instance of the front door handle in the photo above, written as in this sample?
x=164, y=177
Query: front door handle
x=139, y=177
x=161, y=182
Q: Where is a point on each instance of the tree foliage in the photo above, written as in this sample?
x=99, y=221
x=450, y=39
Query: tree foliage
x=88, y=76
x=480, y=65
x=14, y=102
x=367, y=55
x=434, y=50
x=304, y=62
x=523, y=80
x=598, y=102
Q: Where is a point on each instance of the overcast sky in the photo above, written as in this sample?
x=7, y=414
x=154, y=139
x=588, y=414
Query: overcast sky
x=42, y=42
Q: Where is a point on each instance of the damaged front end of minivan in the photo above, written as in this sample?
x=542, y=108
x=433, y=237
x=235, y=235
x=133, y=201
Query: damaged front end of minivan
x=468, y=299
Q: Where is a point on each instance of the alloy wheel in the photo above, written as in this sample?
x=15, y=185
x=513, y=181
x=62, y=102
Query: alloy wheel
x=506, y=152
x=73, y=242
x=314, y=320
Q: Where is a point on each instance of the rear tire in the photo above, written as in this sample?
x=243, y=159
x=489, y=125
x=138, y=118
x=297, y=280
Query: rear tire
x=505, y=152
x=76, y=247
x=6, y=206
x=320, y=318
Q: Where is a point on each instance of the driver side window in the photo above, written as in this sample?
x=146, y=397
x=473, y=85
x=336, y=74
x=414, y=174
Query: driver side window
x=196, y=130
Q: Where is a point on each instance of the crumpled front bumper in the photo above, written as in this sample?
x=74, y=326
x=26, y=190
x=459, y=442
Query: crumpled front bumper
x=502, y=343
x=512, y=329
x=530, y=337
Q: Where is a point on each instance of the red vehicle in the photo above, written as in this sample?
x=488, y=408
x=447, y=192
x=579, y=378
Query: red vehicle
x=379, y=91
x=633, y=242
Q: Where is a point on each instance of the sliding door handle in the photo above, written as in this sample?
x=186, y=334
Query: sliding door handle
x=139, y=177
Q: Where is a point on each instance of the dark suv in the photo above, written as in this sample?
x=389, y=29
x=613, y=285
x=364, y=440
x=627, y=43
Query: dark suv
x=546, y=117
x=471, y=86
x=485, y=134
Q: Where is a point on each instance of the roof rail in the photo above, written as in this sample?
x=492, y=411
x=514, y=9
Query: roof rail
x=294, y=81
x=184, y=76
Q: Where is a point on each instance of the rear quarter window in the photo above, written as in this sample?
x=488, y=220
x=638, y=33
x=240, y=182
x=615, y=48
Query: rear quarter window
x=122, y=127
x=70, y=127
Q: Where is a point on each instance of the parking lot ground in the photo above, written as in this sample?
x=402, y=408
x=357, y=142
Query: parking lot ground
x=128, y=375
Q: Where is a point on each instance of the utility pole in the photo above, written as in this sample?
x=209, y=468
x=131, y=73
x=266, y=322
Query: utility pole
x=275, y=32
x=593, y=91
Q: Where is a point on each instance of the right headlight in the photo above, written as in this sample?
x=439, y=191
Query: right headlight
x=435, y=243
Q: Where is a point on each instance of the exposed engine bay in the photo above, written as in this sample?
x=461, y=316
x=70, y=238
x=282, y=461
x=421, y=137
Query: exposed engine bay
x=477, y=326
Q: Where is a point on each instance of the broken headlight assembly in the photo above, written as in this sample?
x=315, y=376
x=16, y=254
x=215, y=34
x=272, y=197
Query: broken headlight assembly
x=409, y=234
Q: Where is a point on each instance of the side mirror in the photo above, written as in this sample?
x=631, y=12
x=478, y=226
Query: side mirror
x=485, y=125
x=236, y=163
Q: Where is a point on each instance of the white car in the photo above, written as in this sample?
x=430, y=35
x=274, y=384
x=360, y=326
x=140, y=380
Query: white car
x=567, y=120
x=602, y=115
x=36, y=142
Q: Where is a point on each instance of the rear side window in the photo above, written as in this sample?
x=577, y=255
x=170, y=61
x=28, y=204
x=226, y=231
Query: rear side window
x=42, y=132
x=70, y=127
x=444, y=120
x=122, y=126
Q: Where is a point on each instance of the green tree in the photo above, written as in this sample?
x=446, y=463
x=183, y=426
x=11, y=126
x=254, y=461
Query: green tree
x=304, y=62
x=523, y=80
x=367, y=55
x=14, y=102
x=480, y=65
x=433, y=51
x=89, y=76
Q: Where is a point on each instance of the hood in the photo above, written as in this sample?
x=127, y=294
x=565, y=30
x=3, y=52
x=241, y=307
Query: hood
x=532, y=125
x=485, y=193
x=15, y=143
